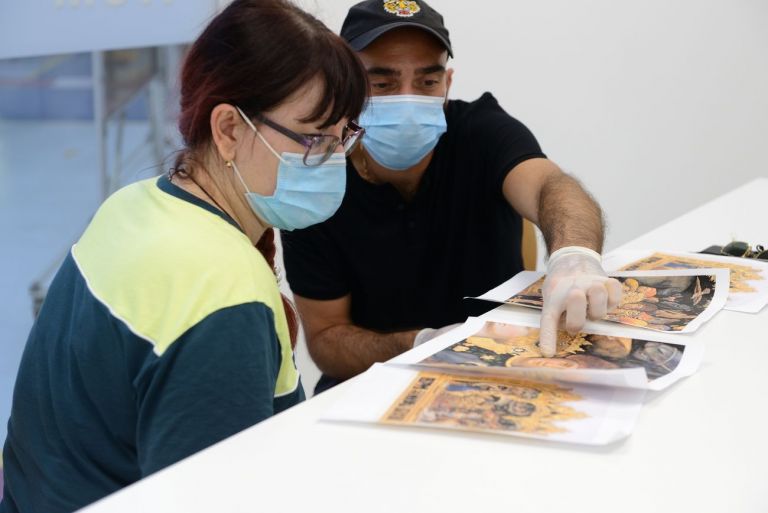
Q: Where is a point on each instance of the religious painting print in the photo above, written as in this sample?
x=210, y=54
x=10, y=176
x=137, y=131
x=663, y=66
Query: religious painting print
x=748, y=290
x=490, y=404
x=741, y=274
x=500, y=345
x=670, y=301
x=390, y=395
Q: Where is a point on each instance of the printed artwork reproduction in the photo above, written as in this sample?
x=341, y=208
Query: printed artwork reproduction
x=391, y=395
x=741, y=275
x=748, y=291
x=485, y=404
x=674, y=301
x=658, y=303
x=499, y=344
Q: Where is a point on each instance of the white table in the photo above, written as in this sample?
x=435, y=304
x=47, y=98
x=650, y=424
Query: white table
x=700, y=446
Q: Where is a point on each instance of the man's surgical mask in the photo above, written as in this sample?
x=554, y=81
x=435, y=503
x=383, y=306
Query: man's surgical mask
x=401, y=130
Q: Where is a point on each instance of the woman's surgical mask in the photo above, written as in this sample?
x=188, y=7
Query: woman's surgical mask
x=401, y=130
x=304, y=195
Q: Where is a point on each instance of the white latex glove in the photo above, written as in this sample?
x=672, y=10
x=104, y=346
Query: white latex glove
x=428, y=334
x=576, y=285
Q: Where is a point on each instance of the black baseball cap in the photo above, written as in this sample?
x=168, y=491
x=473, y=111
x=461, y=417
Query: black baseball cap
x=368, y=20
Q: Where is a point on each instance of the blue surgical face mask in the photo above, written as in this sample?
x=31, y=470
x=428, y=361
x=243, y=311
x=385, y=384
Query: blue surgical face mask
x=304, y=195
x=401, y=130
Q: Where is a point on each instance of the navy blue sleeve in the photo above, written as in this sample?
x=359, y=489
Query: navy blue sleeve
x=214, y=381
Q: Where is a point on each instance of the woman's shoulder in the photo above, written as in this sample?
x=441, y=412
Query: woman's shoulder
x=151, y=257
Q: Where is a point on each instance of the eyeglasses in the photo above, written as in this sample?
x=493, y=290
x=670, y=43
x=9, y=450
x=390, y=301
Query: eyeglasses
x=319, y=147
x=744, y=250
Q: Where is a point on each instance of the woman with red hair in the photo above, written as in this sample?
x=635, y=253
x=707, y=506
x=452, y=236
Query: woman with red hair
x=164, y=330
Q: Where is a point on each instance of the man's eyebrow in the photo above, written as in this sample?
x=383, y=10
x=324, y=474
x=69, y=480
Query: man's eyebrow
x=430, y=69
x=387, y=72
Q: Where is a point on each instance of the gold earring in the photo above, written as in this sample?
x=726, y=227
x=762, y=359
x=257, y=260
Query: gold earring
x=229, y=163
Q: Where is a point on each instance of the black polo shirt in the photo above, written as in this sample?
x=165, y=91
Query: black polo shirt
x=408, y=264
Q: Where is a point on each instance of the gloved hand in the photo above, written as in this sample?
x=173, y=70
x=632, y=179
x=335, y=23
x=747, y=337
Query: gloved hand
x=428, y=334
x=576, y=285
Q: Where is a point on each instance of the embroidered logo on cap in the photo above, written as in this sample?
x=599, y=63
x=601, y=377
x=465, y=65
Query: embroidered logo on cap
x=400, y=8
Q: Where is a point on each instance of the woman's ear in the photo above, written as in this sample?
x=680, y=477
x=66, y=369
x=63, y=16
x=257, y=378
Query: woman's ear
x=226, y=129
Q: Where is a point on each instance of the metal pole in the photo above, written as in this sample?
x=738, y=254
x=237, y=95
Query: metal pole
x=100, y=115
x=157, y=99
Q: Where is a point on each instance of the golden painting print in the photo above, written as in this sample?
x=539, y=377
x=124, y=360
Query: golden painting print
x=660, y=303
x=499, y=344
x=740, y=274
x=484, y=404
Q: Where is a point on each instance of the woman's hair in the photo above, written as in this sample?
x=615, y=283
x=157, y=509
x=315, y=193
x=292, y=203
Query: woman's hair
x=255, y=54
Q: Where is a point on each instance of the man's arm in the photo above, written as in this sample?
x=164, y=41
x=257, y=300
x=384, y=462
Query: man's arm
x=572, y=223
x=341, y=349
x=565, y=213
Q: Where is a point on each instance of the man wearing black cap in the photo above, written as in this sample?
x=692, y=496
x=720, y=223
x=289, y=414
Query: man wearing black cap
x=433, y=212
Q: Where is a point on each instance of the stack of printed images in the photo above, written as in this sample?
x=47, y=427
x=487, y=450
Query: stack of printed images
x=489, y=375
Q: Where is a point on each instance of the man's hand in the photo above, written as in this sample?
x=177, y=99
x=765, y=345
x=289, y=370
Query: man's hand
x=576, y=285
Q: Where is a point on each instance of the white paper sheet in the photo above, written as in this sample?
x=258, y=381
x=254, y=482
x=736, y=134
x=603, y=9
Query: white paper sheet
x=654, y=360
x=749, y=302
x=523, y=280
x=590, y=415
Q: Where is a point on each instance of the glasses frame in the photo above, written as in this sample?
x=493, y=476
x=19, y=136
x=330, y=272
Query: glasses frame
x=349, y=141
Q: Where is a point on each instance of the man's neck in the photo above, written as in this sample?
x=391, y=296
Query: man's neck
x=406, y=181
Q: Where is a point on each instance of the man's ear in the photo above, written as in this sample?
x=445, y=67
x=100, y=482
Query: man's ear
x=448, y=82
x=226, y=128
